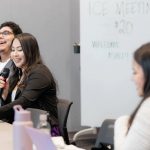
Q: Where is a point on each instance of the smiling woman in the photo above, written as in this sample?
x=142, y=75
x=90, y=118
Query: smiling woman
x=32, y=85
x=132, y=132
x=17, y=54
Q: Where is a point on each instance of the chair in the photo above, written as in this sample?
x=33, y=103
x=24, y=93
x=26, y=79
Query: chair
x=35, y=113
x=105, y=136
x=63, y=107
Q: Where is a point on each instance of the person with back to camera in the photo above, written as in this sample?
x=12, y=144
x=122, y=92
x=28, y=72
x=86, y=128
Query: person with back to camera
x=7, y=32
x=32, y=85
x=133, y=133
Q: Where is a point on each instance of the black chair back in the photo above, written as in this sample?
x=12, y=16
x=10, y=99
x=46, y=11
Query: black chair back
x=63, y=107
x=105, y=137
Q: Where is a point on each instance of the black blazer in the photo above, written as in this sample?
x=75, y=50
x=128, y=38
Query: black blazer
x=39, y=92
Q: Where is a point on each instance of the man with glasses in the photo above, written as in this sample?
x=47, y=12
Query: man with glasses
x=7, y=32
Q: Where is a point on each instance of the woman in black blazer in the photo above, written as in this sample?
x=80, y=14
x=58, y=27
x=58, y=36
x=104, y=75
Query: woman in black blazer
x=32, y=85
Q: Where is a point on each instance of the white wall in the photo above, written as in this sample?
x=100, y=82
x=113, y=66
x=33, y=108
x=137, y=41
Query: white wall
x=55, y=24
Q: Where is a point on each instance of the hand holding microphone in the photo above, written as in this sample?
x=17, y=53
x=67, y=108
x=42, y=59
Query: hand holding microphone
x=3, y=76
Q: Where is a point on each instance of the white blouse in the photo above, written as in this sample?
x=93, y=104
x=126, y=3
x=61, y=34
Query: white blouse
x=13, y=94
x=3, y=64
x=138, y=137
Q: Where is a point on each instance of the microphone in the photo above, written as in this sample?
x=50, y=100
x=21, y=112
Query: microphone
x=4, y=74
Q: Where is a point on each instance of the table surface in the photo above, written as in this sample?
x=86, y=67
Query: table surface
x=6, y=138
x=6, y=141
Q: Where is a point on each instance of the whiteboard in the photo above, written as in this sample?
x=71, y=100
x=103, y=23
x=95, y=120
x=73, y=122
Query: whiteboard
x=110, y=31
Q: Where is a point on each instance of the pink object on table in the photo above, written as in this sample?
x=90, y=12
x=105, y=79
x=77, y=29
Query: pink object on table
x=41, y=140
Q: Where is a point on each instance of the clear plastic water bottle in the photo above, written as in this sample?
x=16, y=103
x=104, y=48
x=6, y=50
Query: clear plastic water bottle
x=43, y=124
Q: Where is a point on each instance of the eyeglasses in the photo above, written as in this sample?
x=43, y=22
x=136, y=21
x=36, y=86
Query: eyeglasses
x=5, y=33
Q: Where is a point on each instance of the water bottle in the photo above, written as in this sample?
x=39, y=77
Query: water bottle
x=43, y=124
x=21, y=139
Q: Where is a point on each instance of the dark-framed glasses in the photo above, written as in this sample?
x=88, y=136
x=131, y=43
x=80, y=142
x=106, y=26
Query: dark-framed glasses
x=6, y=33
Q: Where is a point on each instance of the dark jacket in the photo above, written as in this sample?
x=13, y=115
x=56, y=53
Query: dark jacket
x=39, y=92
x=11, y=66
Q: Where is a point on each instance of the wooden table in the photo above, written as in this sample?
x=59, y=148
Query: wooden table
x=6, y=139
x=6, y=142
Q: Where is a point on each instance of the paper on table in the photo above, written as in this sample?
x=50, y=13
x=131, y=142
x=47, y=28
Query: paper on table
x=41, y=140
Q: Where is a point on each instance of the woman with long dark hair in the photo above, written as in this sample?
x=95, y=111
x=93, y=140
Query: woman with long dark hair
x=32, y=85
x=133, y=132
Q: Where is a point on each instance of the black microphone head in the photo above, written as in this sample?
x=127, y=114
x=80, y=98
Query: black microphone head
x=5, y=73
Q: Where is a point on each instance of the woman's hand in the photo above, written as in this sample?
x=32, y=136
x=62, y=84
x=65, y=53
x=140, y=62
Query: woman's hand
x=4, y=84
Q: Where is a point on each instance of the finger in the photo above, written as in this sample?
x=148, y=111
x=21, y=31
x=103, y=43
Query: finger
x=2, y=78
x=2, y=83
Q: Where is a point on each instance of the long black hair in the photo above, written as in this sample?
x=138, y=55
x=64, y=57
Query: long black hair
x=33, y=58
x=142, y=57
x=31, y=51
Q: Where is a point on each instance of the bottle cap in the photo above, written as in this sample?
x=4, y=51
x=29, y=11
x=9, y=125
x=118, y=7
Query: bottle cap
x=21, y=114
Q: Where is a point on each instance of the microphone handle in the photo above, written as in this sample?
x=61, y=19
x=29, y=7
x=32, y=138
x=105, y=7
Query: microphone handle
x=1, y=91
